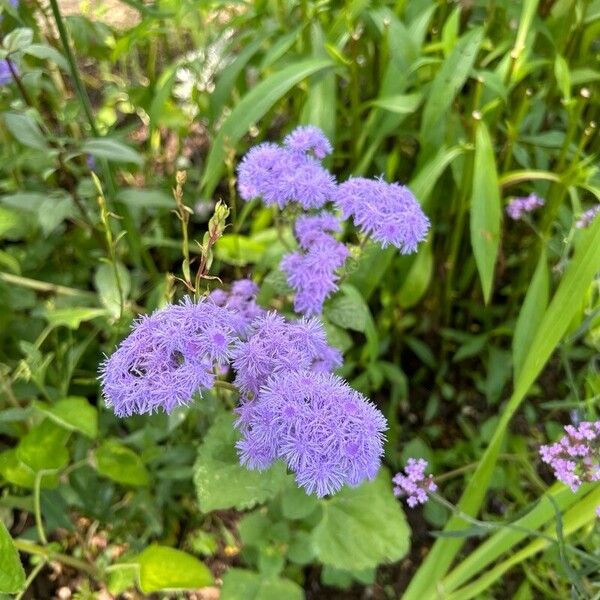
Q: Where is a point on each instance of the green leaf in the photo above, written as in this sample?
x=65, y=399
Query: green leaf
x=121, y=464
x=12, y=575
x=18, y=39
x=401, y=104
x=73, y=413
x=44, y=447
x=73, y=317
x=251, y=109
x=531, y=313
x=163, y=568
x=486, y=213
x=348, y=312
x=418, y=278
x=239, y=250
x=45, y=52
x=448, y=81
x=112, y=150
x=220, y=480
x=239, y=584
x=297, y=504
x=112, y=296
x=563, y=77
x=26, y=131
x=137, y=198
x=362, y=527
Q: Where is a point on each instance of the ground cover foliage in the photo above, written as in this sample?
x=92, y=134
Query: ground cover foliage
x=120, y=149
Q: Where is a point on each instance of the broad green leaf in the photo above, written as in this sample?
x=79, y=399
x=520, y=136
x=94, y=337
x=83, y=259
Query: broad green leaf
x=73, y=413
x=164, y=568
x=12, y=575
x=54, y=210
x=43, y=448
x=297, y=504
x=486, y=214
x=565, y=304
x=362, y=527
x=112, y=150
x=251, y=109
x=26, y=131
x=121, y=464
x=239, y=584
x=46, y=52
x=138, y=198
x=448, y=81
x=347, y=312
x=113, y=293
x=531, y=313
x=400, y=104
x=10, y=222
x=72, y=317
x=239, y=250
x=418, y=278
x=18, y=39
x=220, y=480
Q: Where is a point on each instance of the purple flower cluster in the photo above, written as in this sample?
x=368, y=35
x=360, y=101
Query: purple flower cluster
x=289, y=173
x=388, y=212
x=586, y=218
x=312, y=272
x=276, y=346
x=523, y=205
x=327, y=433
x=575, y=458
x=168, y=357
x=241, y=302
x=5, y=74
x=413, y=483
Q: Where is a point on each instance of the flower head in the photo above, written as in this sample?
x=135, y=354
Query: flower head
x=586, y=218
x=413, y=483
x=275, y=345
x=575, y=458
x=327, y=433
x=167, y=358
x=386, y=211
x=313, y=272
x=241, y=302
x=522, y=205
x=308, y=138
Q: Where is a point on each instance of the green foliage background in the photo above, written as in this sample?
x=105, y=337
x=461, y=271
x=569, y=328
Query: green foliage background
x=477, y=348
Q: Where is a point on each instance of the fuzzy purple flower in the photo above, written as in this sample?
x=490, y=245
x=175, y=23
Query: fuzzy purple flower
x=281, y=175
x=6, y=76
x=168, y=357
x=328, y=434
x=586, y=218
x=388, y=212
x=309, y=138
x=413, y=483
x=575, y=458
x=313, y=272
x=275, y=345
x=241, y=302
x=523, y=205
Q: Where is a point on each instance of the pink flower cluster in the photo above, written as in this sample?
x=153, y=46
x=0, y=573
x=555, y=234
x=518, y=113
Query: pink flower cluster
x=414, y=484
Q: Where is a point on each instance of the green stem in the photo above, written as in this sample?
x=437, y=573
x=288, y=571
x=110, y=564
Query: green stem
x=37, y=509
x=48, y=554
x=29, y=580
x=225, y=385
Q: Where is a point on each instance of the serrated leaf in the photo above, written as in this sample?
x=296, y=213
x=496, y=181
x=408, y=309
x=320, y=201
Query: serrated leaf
x=12, y=574
x=73, y=413
x=44, y=447
x=220, y=480
x=486, y=213
x=26, y=130
x=251, y=109
x=373, y=525
x=297, y=504
x=531, y=313
x=239, y=584
x=112, y=150
x=347, y=312
x=121, y=464
x=73, y=317
x=164, y=568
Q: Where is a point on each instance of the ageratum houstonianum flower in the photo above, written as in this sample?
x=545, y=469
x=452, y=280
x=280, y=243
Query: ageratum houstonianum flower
x=6, y=76
x=575, y=458
x=413, y=483
x=168, y=357
x=281, y=175
x=241, y=302
x=276, y=346
x=313, y=272
x=388, y=212
x=523, y=205
x=586, y=218
x=309, y=138
x=328, y=434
